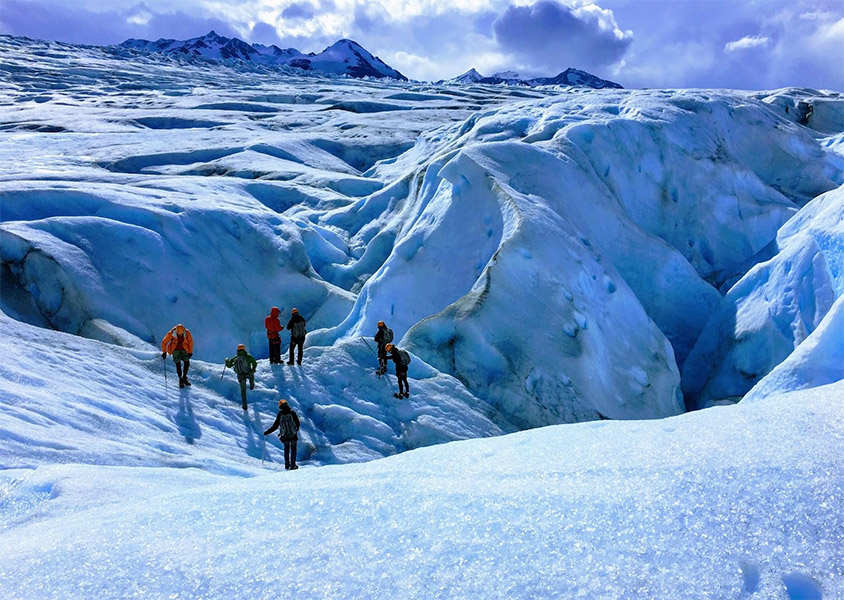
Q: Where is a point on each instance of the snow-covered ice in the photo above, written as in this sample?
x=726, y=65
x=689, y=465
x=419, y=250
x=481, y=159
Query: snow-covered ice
x=731, y=502
x=548, y=256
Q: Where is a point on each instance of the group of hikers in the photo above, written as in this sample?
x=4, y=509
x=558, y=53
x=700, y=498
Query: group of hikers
x=178, y=343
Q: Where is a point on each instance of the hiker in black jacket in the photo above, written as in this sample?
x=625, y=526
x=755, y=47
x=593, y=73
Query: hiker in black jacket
x=287, y=423
x=296, y=326
x=382, y=338
x=401, y=358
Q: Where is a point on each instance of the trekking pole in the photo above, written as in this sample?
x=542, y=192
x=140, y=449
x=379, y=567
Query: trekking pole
x=368, y=346
x=223, y=373
x=263, y=450
x=166, y=387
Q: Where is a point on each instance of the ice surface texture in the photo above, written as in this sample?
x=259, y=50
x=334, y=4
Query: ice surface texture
x=559, y=256
x=732, y=502
x=548, y=256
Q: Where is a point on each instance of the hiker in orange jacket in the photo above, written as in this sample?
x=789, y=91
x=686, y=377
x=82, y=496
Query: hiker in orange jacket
x=273, y=327
x=179, y=343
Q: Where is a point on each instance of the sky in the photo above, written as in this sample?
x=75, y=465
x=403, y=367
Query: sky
x=745, y=44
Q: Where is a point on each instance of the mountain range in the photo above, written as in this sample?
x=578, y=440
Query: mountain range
x=345, y=57
x=568, y=77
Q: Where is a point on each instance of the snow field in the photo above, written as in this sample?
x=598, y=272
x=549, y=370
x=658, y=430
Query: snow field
x=103, y=405
x=732, y=502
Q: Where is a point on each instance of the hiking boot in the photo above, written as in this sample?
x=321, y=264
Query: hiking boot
x=187, y=383
x=293, y=467
x=181, y=383
x=289, y=362
x=245, y=407
x=407, y=394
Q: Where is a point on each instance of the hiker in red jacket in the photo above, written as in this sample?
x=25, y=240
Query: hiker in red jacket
x=273, y=326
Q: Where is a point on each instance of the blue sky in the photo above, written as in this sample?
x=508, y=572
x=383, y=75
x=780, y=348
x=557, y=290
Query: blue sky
x=749, y=44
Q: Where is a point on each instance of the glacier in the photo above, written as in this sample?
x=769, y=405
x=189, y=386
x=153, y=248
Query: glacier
x=571, y=269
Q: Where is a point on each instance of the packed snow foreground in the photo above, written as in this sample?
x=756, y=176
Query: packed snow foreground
x=591, y=262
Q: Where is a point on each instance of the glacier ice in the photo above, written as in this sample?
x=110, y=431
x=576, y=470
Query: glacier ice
x=547, y=256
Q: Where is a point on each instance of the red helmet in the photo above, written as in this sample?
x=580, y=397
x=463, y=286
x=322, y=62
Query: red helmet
x=241, y=347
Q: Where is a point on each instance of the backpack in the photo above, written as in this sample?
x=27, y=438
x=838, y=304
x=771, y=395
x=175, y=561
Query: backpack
x=298, y=330
x=241, y=365
x=404, y=357
x=286, y=426
x=388, y=336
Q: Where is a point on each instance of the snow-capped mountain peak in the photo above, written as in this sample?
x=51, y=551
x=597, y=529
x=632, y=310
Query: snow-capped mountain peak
x=506, y=75
x=568, y=77
x=470, y=76
x=344, y=57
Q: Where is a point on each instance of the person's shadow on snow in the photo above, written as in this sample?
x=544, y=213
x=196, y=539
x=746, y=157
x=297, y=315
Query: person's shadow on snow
x=185, y=420
x=254, y=433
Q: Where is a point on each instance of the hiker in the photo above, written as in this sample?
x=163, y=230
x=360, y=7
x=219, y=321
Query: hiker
x=287, y=423
x=296, y=325
x=382, y=338
x=273, y=327
x=179, y=343
x=401, y=358
x=244, y=367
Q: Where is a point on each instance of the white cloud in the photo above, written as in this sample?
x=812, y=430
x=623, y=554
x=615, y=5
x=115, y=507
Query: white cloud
x=747, y=42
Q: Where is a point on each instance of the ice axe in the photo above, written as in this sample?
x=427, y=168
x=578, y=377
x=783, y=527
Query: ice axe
x=224, y=371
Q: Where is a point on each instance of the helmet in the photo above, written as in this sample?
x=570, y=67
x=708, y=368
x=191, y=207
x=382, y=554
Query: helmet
x=241, y=347
x=295, y=311
x=179, y=328
x=381, y=324
x=388, y=347
x=282, y=402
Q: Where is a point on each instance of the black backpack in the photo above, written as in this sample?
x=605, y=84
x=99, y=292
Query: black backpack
x=298, y=330
x=241, y=365
x=387, y=337
x=287, y=426
x=404, y=357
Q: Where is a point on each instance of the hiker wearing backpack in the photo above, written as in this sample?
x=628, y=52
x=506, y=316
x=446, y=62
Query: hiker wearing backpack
x=179, y=343
x=296, y=325
x=273, y=327
x=382, y=338
x=287, y=423
x=244, y=367
x=401, y=358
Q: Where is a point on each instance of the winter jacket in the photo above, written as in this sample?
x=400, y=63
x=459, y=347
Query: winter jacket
x=272, y=324
x=284, y=411
x=173, y=341
x=396, y=357
x=383, y=337
x=295, y=319
x=250, y=361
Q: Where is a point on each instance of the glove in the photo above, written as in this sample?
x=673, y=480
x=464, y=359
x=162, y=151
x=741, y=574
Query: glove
x=163, y=356
x=190, y=354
